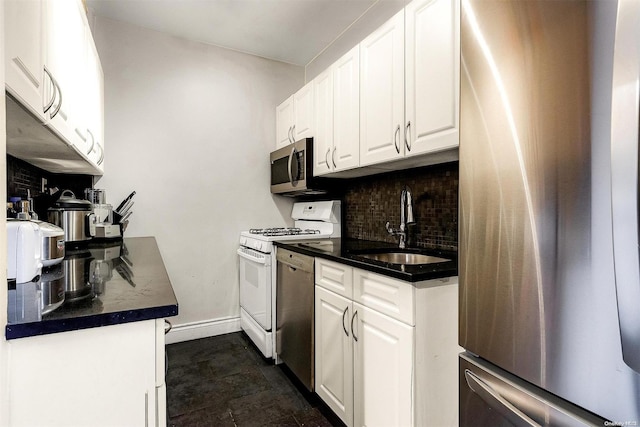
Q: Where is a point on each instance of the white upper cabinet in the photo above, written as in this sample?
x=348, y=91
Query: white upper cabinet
x=303, y=113
x=93, y=147
x=337, y=111
x=65, y=65
x=432, y=76
x=346, y=111
x=24, y=53
x=323, y=112
x=284, y=123
x=382, y=93
x=294, y=117
x=53, y=70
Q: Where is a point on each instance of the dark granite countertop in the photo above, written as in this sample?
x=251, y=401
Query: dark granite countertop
x=115, y=282
x=348, y=252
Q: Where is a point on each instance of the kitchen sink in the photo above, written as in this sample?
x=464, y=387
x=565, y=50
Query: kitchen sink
x=404, y=258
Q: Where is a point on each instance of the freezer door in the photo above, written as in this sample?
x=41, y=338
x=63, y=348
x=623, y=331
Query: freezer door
x=492, y=397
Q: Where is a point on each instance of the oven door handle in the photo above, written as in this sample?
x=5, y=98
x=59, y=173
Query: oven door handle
x=247, y=256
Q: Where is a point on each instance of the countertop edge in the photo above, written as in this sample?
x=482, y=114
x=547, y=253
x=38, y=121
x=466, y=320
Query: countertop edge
x=25, y=330
x=380, y=269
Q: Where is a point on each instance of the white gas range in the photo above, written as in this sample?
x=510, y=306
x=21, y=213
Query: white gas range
x=257, y=255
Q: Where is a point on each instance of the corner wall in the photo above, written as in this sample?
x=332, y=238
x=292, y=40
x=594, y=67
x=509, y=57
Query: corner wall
x=4, y=348
x=189, y=127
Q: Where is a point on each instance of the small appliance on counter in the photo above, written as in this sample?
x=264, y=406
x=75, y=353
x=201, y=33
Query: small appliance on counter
x=102, y=225
x=33, y=247
x=73, y=215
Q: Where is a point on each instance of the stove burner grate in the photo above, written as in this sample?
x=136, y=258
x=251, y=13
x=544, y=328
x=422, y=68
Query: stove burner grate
x=283, y=231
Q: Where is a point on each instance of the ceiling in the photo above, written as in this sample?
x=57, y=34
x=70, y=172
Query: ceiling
x=292, y=31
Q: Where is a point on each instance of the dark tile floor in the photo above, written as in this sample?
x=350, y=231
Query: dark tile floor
x=225, y=381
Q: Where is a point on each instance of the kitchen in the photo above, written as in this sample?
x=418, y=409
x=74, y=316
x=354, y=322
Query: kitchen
x=219, y=121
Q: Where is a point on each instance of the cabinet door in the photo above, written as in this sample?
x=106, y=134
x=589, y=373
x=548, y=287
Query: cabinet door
x=284, y=123
x=94, y=145
x=92, y=377
x=432, y=76
x=66, y=61
x=346, y=110
x=24, y=52
x=383, y=370
x=333, y=352
x=323, y=112
x=382, y=93
x=303, y=112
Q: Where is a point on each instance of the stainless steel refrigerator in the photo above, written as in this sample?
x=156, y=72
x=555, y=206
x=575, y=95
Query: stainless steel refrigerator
x=549, y=308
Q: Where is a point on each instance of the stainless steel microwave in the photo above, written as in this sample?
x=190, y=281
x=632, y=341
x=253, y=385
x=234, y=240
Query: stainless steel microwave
x=292, y=170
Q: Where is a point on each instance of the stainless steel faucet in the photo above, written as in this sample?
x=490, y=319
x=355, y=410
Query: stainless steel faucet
x=406, y=217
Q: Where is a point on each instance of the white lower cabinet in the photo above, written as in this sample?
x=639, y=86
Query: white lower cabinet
x=334, y=353
x=105, y=376
x=383, y=369
x=386, y=350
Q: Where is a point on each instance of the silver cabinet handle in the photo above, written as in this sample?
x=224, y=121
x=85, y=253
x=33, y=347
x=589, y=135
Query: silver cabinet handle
x=352, y=332
x=407, y=129
x=499, y=403
x=53, y=94
x=57, y=109
x=289, y=134
x=293, y=134
x=333, y=158
x=326, y=158
x=396, y=134
x=343, y=325
x=93, y=141
x=101, y=159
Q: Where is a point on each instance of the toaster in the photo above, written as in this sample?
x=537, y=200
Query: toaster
x=30, y=246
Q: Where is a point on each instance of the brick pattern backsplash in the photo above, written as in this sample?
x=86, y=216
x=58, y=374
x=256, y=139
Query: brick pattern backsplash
x=23, y=176
x=372, y=201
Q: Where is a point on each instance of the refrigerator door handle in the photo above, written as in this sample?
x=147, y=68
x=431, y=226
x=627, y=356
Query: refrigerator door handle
x=496, y=401
x=624, y=178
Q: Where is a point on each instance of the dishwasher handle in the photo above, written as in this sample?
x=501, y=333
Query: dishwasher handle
x=295, y=261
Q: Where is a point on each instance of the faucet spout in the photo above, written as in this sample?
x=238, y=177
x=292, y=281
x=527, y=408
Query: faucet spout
x=406, y=217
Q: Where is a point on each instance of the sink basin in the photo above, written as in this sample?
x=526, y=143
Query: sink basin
x=404, y=258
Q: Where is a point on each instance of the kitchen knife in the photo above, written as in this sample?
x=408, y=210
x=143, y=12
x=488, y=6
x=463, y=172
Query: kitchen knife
x=133, y=193
x=124, y=218
x=126, y=207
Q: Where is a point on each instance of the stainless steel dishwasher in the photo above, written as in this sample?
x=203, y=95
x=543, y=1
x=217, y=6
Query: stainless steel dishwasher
x=295, y=314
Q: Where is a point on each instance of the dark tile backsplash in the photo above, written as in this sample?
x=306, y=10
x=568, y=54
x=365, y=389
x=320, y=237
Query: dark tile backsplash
x=372, y=201
x=23, y=176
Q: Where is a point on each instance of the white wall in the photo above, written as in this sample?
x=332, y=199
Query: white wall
x=189, y=127
x=373, y=18
x=4, y=348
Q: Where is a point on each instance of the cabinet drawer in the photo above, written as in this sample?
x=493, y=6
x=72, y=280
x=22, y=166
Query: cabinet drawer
x=334, y=277
x=389, y=296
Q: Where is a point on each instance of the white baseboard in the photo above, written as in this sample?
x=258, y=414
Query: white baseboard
x=204, y=329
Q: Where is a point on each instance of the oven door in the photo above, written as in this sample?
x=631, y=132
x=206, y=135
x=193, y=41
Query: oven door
x=255, y=285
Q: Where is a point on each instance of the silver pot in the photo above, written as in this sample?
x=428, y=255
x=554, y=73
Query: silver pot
x=52, y=289
x=76, y=268
x=74, y=216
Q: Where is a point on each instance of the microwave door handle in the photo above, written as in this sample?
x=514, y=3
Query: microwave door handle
x=293, y=176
